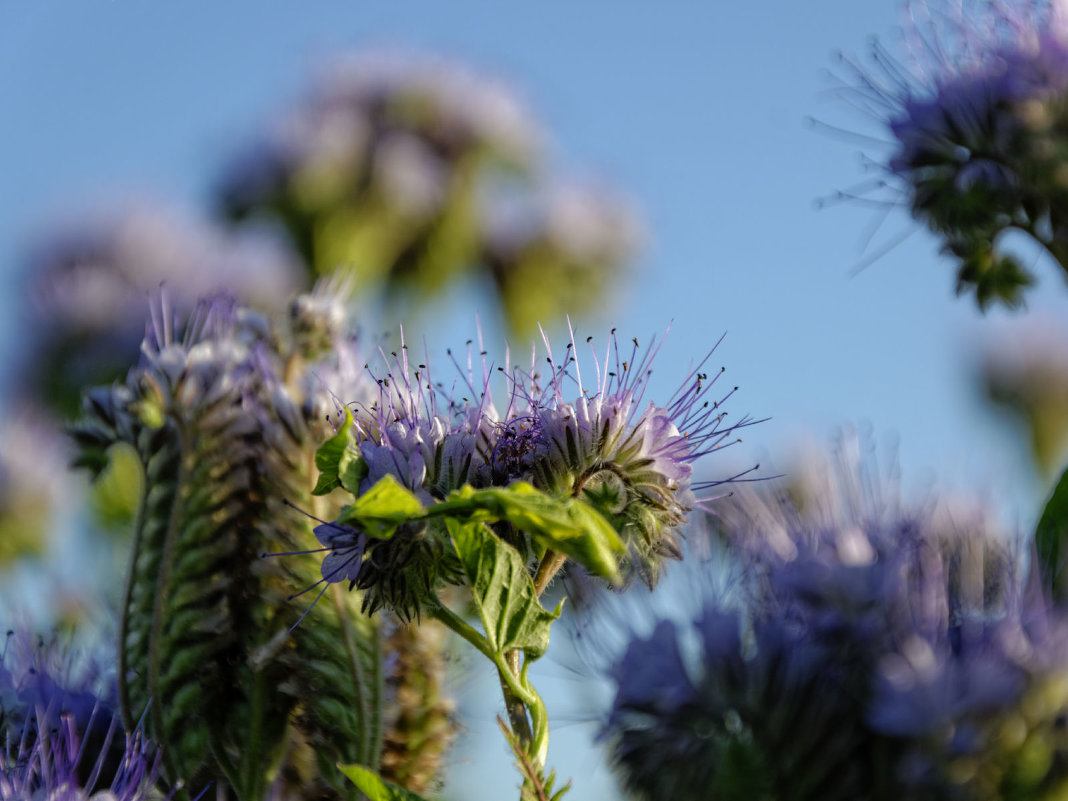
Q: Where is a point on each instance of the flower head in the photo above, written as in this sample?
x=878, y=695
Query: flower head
x=88, y=282
x=900, y=638
x=59, y=739
x=975, y=109
x=604, y=442
x=631, y=459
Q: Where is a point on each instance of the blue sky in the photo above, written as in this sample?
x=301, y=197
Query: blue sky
x=696, y=109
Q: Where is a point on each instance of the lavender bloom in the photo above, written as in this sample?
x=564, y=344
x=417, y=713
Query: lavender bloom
x=33, y=482
x=634, y=464
x=402, y=117
x=769, y=716
x=50, y=766
x=390, y=165
x=431, y=450
x=976, y=113
x=382, y=155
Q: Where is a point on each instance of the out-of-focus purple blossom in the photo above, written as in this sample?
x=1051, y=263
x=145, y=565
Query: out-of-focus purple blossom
x=400, y=116
x=60, y=738
x=866, y=645
x=409, y=171
x=764, y=711
x=584, y=221
x=573, y=234
x=87, y=283
x=975, y=107
x=397, y=129
x=102, y=266
x=33, y=481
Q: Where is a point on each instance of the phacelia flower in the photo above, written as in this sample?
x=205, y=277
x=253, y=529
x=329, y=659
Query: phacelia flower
x=224, y=414
x=630, y=457
x=383, y=148
x=59, y=739
x=570, y=234
x=863, y=645
x=33, y=483
x=633, y=460
x=87, y=286
x=411, y=170
x=976, y=109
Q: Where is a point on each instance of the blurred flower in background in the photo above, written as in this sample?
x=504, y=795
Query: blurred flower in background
x=899, y=637
x=34, y=479
x=87, y=284
x=570, y=239
x=60, y=737
x=976, y=105
x=395, y=166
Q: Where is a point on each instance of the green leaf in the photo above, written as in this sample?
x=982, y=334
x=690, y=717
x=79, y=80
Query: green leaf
x=502, y=589
x=375, y=787
x=567, y=525
x=384, y=507
x=1050, y=536
x=339, y=461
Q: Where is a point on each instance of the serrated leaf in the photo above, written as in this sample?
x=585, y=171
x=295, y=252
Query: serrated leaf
x=384, y=507
x=375, y=787
x=567, y=525
x=1050, y=536
x=339, y=462
x=502, y=589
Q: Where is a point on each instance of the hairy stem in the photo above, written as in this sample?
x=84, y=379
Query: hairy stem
x=550, y=565
x=516, y=697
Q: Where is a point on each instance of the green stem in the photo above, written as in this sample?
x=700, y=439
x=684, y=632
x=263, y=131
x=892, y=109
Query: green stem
x=517, y=697
x=548, y=568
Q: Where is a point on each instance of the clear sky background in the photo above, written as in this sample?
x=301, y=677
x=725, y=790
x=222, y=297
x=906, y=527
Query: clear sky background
x=695, y=109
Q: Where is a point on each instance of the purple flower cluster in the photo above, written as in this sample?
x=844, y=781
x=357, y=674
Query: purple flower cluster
x=398, y=121
x=87, y=285
x=869, y=649
x=632, y=459
x=391, y=164
x=975, y=109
